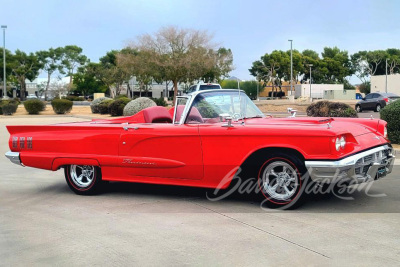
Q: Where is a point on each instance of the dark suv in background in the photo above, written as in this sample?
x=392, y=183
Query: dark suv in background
x=376, y=101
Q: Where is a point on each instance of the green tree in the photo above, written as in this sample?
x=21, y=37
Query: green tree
x=272, y=68
x=223, y=65
x=111, y=73
x=24, y=66
x=86, y=82
x=72, y=59
x=51, y=62
x=393, y=60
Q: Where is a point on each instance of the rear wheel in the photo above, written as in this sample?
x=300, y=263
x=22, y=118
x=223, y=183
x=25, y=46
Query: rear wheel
x=378, y=108
x=83, y=179
x=358, y=108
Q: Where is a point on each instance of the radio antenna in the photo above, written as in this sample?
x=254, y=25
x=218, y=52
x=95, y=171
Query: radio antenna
x=240, y=99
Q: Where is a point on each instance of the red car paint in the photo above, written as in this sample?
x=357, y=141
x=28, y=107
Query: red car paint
x=202, y=155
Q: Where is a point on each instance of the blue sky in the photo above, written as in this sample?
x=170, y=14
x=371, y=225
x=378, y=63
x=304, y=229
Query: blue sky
x=249, y=28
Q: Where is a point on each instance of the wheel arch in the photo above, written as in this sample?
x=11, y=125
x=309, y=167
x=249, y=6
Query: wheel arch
x=60, y=162
x=262, y=154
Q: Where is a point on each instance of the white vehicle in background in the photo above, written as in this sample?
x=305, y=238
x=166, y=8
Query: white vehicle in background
x=31, y=96
x=203, y=86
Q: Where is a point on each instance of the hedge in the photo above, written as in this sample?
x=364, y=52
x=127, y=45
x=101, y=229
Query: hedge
x=116, y=108
x=61, y=106
x=391, y=114
x=331, y=109
x=103, y=106
x=8, y=107
x=34, y=106
x=95, y=104
x=160, y=101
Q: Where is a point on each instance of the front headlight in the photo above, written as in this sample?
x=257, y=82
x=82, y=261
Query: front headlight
x=342, y=142
x=385, y=132
x=337, y=144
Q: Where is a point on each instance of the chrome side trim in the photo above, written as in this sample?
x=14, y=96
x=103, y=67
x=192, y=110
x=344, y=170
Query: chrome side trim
x=14, y=157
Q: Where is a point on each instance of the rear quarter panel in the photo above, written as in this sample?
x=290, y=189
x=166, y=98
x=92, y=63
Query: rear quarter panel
x=51, y=142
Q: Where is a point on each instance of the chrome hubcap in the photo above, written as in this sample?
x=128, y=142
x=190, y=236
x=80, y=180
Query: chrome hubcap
x=280, y=180
x=82, y=175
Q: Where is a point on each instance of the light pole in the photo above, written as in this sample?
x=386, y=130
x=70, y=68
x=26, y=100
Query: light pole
x=258, y=99
x=291, y=67
x=310, y=65
x=386, y=76
x=4, y=27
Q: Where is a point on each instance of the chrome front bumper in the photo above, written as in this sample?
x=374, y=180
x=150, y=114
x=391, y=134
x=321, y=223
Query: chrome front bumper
x=14, y=157
x=359, y=168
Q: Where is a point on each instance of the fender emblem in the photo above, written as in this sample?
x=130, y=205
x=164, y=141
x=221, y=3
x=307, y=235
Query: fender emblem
x=129, y=161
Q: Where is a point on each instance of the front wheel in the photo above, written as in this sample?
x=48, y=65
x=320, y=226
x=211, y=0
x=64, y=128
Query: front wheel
x=358, y=108
x=83, y=179
x=282, y=180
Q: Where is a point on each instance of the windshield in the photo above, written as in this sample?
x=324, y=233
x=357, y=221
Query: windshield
x=208, y=107
x=209, y=87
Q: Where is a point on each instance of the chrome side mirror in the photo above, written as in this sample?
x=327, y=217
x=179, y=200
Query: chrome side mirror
x=226, y=117
x=292, y=112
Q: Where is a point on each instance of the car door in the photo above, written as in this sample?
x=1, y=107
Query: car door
x=161, y=150
x=368, y=102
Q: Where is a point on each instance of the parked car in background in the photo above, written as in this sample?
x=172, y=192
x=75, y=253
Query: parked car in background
x=376, y=101
x=31, y=96
x=203, y=86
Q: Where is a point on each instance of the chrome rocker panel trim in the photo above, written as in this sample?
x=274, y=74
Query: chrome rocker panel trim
x=345, y=169
x=14, y=157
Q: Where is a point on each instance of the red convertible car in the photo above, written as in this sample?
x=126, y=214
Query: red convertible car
x=209, y=138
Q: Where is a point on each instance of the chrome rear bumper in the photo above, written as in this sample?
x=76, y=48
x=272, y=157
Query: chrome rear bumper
x=359, y=168
x=14, y=157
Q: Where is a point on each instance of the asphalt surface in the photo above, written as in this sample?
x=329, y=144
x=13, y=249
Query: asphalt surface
x=42, y=222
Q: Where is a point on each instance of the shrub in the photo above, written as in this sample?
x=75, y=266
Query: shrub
x=120, y=96
x=137, y=105
x=116, y=108
x=95, y=103
x=61, y=106
x=160, y=101
x=8, y=107
x=103, y=106
x=331, y=109
x=391, y=114
x=34, y=106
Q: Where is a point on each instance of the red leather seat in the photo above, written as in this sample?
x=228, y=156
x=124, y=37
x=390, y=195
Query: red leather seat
x=193, y=117
x=156, y=114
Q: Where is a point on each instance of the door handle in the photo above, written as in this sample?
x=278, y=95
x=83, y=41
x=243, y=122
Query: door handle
x=126, y=128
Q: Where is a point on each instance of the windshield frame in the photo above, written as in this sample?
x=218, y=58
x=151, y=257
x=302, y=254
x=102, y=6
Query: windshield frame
x=192, y=97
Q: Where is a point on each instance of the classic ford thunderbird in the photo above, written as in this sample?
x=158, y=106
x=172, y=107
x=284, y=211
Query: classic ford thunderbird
x=208, y=139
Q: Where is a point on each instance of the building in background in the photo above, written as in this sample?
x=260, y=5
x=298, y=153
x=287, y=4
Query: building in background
x=340, y=94
x=378, y=83
x=317, y=90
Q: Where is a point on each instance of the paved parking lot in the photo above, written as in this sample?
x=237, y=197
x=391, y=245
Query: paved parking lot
x=43, y=223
